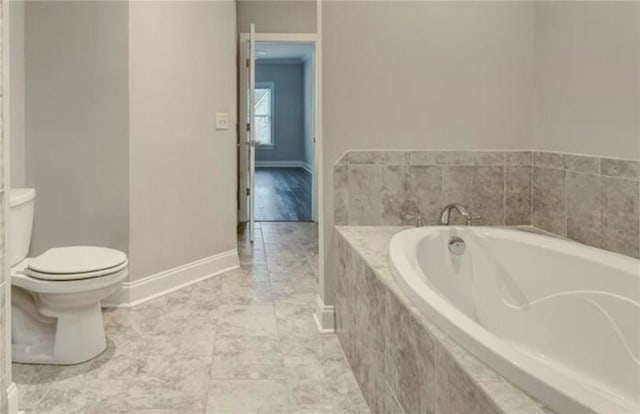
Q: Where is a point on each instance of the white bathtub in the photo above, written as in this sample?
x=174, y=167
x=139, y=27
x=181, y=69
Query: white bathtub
x=559, y=319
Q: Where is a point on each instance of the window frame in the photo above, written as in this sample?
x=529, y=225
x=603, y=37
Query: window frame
x=272, y=88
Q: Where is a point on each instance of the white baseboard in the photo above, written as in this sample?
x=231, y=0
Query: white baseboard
x=139, y=291
x=307, y=167
x=325, y=316
x=12, y=399
x=280, y=164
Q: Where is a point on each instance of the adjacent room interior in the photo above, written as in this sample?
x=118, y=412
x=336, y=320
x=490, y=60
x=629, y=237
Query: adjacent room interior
x=284, y=131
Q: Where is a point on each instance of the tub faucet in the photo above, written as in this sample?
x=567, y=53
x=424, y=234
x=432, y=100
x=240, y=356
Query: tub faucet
x=464, y=212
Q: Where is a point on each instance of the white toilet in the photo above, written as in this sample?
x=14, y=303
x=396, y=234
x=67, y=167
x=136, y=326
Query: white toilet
x=55, y=297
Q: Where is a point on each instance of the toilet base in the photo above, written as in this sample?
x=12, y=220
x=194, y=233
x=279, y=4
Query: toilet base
x=59, y=323
x=77, y=336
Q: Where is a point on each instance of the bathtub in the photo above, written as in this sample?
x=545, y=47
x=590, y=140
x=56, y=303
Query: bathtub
x=559, y=319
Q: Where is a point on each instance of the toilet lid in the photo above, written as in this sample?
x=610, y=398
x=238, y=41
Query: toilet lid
x=76, y=260
x=66, y=277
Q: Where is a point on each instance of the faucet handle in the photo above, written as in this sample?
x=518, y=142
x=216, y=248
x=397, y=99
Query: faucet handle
x=470, y=219
x=419, y=220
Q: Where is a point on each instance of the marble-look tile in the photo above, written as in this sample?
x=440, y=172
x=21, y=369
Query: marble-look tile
x=344, y=159
x=247, y=397
x=479, y=188
x=4, y=286
x=256, y=294
x=77, y=396
x=395, y=203
x=33, y=381
x=511, y=399
x=247, y=357
x=621, y=216
x=4, y=403
x=340, y=194
x=548, y=159
x=455, y=392
x=158, y=411
x=425, y=191
x=290, y=250
x=455, y=157
x=364, y=194
x=248, y=255
x=306, y=376
x=489, y=157
x=303, y=239
x=253, y=320
x=621, y=168
x=292, y=283
x=378, y=157
x=292, y=265
x=179, y=383
x=322, y=391
x=423, y=158
x=584, y=208
x=389, y=402
x=549, y=200
x=582, y=163
x=518, y=158
x=517, y=195
x=480, y=372
x=409, y=358
x=368, y=364
x=295, y=317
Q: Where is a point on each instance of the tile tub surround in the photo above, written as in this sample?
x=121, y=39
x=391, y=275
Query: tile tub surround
x=588, y=199
x=591, y=200
x=403, y=363
x=240, y=342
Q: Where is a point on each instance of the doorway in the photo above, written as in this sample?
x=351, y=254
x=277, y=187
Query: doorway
x=282, y=180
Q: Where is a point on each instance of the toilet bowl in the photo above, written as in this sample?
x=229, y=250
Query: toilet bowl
x=56, y=313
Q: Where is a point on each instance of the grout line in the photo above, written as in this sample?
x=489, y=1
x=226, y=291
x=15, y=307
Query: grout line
x=504, y=194
x=531, y=168
x=566, y=205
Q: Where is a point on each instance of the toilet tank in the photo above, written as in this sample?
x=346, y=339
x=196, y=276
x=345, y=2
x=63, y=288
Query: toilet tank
x=21, y=201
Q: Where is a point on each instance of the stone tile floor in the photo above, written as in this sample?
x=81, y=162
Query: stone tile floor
x=240, y=342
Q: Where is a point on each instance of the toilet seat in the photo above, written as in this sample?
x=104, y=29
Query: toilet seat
x=61, y=277
x=75, y=263
x=32, y=284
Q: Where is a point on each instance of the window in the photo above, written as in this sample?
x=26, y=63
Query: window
x=263, y=112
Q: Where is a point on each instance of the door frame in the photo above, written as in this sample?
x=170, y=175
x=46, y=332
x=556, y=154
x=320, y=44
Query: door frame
x=11, y=392
x=310, y=38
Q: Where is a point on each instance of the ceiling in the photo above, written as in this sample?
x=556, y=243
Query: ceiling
x=283, y=51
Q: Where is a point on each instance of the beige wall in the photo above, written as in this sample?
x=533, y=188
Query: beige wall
x=297, y=16
x=121, y=142
x=182, y=71
x=423, y=75
x=77, y=127
x=16, y=83
x=588, y=77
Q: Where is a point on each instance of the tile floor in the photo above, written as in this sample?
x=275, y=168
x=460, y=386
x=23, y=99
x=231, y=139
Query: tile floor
x=240, y=342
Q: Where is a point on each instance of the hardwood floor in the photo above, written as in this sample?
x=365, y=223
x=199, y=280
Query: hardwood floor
x=283, y=194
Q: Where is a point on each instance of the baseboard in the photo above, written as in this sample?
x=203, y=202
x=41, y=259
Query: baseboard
x=280, y=164
x=307, y=167
x=12, y=399
x=139, y=291
x=325, y=316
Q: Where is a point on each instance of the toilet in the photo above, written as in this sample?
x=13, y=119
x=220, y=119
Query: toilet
x=56, y=316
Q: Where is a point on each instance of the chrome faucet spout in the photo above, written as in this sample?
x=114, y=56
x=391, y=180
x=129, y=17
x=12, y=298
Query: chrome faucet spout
x=445, y=215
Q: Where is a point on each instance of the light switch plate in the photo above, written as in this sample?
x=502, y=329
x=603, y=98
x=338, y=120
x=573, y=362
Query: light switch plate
x=222, y=121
